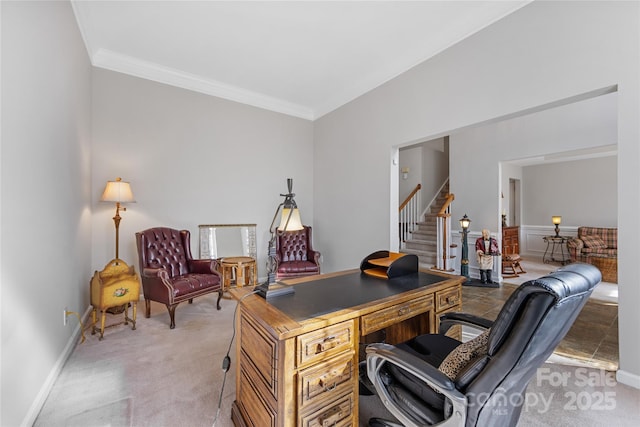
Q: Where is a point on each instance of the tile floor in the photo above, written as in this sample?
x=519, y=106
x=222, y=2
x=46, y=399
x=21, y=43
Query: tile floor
x=593, y=339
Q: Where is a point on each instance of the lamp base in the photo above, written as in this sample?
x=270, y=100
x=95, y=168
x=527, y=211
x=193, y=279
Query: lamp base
x=270, y=290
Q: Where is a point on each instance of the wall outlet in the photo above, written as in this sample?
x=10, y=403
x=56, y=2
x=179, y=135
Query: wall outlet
x=64, y=317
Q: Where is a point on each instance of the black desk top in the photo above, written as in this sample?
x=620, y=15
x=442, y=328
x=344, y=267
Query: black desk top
x=325, y=295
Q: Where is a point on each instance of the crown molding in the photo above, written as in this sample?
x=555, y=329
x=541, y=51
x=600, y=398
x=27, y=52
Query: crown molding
x=113, y=61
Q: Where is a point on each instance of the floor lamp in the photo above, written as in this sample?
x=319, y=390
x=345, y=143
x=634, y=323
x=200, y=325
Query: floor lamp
x=118, y=191
x=464, y=263
x=289, y=221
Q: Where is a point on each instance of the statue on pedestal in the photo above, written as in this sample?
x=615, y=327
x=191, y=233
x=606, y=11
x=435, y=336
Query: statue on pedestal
x=486, y=249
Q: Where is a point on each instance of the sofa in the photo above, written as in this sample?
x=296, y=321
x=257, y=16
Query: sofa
x=593, y=242
x=597, y=246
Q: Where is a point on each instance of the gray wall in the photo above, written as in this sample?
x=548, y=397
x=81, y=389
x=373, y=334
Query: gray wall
x=543, y=54
x=583, y=192
x=429, y=166
x=45, y=181
x=195, y=159
x=576, y=127
x=191, y=159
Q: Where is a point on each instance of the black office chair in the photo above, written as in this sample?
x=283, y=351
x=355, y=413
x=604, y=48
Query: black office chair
x=435, y=380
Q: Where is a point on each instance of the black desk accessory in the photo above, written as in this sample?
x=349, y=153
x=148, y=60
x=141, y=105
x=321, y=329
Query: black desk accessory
x=388, y=265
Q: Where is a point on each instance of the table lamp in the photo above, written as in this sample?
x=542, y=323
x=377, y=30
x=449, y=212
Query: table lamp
x=556, y=219
x=118, y=191
x=289, y=221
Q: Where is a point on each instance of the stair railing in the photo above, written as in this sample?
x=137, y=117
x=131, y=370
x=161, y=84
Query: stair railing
x=409, y=215
x=443, y=236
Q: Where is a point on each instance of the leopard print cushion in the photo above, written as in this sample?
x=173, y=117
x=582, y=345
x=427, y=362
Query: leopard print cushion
x=463, y=354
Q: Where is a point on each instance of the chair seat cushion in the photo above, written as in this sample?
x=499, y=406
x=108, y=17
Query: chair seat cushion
x=432, y=348
x=298, y=267
x=594, y=242
x=190, y=283
x=606, y=252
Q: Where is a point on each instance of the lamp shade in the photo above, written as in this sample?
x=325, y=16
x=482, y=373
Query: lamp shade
x=465, y=222
x=117, y=191
x=294, y=222
x=556, y=219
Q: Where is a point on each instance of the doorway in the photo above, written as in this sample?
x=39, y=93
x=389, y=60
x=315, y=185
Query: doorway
x=514, y=202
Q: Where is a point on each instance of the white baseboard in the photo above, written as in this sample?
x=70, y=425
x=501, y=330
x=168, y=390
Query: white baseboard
x=628, y=378
x=41, y=398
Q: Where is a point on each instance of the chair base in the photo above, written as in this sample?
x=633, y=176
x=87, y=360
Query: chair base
x=511, y=267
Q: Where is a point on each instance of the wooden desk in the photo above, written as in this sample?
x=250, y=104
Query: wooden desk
x=297, y=370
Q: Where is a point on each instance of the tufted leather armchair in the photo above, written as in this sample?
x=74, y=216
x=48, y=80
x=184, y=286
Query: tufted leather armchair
x=295, y=256
x=169, y=273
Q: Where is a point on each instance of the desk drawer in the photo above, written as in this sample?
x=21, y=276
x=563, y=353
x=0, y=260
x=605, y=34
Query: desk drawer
x=448, y=298
x=324, y=343
x=395, y=314
x=338, y=414
x=325, y=379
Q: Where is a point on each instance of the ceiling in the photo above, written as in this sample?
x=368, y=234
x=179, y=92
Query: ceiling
x=301, y=58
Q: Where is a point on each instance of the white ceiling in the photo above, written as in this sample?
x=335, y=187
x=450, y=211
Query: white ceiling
x=302, y=58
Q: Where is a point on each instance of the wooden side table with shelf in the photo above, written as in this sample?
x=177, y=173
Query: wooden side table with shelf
x=238, y=270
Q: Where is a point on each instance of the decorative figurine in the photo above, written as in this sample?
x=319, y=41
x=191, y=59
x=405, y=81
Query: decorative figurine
x=486, y=249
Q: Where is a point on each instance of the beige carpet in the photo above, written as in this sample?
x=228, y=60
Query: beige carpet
x=158, y=377
x=153, y=376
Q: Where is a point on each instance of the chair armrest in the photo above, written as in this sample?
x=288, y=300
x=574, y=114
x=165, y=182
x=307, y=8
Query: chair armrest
x=574, y=246
x=202, y=266
x=575, y=243
x=155, y=273
x=447, y=320
x=315, y=256
x=378, y=354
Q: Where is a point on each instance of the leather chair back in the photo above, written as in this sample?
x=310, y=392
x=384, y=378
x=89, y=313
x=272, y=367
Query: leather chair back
x=294, y=245
x=527, y=330
x=167, y=248
x=487, y=387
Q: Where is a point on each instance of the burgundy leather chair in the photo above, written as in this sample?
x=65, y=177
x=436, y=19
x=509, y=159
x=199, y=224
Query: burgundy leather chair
x=295, y=256
x=169, y=273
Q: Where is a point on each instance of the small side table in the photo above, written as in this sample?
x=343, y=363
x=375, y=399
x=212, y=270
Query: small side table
x=240, y=270
x=115, y=286
x=556, y=243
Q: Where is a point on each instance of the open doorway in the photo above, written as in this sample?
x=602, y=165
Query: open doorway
x=493, y=159
x=514, y=202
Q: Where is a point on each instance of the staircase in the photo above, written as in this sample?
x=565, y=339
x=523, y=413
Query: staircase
x=423, y=241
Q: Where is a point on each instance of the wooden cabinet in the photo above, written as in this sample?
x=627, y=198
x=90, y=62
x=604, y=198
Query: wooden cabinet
x=511, y=252
x=510, y=240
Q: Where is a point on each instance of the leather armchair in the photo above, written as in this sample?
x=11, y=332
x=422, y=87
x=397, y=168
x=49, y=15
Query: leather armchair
x=169, y=273
x=295, y=256
x=436, y=380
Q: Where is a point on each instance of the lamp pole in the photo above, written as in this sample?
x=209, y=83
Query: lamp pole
x=464, y=263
